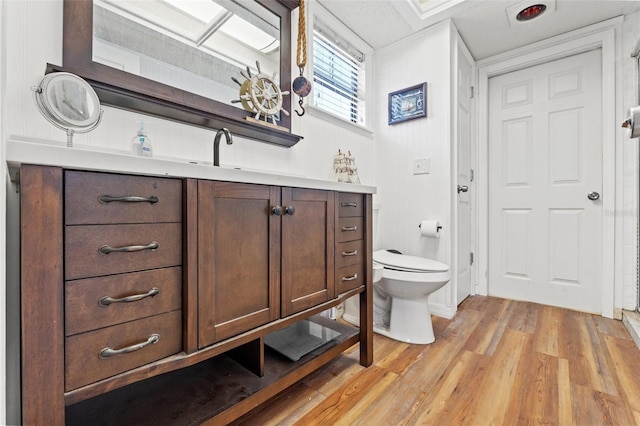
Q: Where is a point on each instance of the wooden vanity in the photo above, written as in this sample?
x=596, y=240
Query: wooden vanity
x=146, y=298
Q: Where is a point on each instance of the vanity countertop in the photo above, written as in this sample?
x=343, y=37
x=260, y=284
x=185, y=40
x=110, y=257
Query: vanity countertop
x=21, y=152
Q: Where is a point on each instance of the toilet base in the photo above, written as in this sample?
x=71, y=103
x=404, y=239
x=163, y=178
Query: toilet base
x=351, y=319
x=404, y=325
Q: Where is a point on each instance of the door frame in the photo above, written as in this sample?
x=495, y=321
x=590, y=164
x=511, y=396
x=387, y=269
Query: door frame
x=461, y=47
x=597, y=36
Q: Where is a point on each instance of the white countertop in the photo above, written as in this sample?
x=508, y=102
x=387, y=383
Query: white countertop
x=23, y=152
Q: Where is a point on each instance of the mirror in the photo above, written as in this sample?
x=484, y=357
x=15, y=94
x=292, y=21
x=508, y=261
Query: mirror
x=196, y=45
x=162, y=58
x=68, y=102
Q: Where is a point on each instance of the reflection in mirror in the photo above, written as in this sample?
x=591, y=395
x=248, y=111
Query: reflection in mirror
x=196, y=45
x=68, y=102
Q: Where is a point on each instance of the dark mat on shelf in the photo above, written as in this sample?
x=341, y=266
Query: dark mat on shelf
x=299, y=339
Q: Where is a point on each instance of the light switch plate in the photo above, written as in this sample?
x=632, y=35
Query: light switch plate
x=421, y=166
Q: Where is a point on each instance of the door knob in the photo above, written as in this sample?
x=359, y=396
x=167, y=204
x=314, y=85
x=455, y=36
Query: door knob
x=462, y=188
x=277, y=210
x=290, y=210
x=593, y=196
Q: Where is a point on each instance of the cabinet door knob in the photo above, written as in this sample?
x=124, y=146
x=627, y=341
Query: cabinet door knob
x=277, y=210
x=290, y=210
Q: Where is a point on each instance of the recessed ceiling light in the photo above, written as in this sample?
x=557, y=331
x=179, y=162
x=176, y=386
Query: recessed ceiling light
x=530, y=12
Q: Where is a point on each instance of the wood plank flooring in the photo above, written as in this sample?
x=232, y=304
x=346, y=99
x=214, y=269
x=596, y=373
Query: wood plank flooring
x=497, y=362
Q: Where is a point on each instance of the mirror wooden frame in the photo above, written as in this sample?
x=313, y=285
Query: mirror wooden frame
x=131, y=92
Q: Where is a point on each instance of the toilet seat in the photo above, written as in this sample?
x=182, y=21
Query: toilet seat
x=406, y=263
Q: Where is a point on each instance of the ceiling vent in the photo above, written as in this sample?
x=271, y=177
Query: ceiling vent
x=525, y=12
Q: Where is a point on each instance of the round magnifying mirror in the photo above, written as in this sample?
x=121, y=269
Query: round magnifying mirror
x=68, y=102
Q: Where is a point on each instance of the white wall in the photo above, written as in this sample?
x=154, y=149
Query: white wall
x=405, y=198
x=3, y=179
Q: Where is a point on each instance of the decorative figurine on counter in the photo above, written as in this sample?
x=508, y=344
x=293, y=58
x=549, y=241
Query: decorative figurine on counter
x=344, y=168
x=301, y=86
x=260, y=93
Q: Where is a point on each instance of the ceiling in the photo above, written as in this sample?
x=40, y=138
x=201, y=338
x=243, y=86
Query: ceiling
x=483, y=24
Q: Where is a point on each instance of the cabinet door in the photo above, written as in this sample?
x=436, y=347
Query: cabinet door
x=238, y=258
x=307, y=249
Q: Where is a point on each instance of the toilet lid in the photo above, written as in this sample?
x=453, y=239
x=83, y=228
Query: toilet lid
x=404, y=262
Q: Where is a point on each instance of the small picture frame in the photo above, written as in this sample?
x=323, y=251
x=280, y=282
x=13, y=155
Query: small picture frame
x=407, y=104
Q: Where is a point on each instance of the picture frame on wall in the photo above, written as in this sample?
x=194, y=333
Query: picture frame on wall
x=407, y=104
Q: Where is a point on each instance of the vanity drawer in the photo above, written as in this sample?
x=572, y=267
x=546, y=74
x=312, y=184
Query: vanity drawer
x=350, y=205
x=349, y=277
x=349, y=229
x=83, y=258
x=98, y=198
x=84, y=365
x=86, y=309
x=349, y=253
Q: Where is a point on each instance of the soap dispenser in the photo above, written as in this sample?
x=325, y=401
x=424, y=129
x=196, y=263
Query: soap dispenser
x=141, y=143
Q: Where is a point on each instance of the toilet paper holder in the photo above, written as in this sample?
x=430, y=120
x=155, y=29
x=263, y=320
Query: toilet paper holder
x=439, y=227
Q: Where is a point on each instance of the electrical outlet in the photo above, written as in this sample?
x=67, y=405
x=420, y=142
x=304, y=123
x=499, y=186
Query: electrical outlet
x=421, y=166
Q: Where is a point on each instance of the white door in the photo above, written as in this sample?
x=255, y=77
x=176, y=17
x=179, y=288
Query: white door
x=464, y=178
x=545, y=165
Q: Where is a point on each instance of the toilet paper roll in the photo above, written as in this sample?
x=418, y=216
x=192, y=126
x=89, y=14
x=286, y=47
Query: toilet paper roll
x=430, y=228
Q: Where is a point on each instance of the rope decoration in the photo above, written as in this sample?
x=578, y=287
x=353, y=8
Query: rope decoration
x=301, y=54
x=301, y=86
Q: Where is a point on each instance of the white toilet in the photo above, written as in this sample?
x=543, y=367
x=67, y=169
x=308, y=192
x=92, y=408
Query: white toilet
x=408, y=281
x=400, y=297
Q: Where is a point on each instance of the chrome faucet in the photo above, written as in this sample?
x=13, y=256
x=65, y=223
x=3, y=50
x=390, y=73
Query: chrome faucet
x=216, y=144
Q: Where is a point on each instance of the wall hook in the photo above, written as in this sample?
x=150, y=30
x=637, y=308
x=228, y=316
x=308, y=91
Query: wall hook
x=300, y=114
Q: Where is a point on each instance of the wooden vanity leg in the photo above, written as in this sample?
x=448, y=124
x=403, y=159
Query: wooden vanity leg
x=366, y=297
x=42, y=304
x=250, y=356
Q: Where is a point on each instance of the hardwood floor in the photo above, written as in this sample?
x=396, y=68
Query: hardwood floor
x=498, y=362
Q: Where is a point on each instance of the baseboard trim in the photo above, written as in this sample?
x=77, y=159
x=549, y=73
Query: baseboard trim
x=631, y=321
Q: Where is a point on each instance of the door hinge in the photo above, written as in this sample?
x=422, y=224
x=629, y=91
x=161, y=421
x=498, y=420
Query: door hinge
x=471, y=258
x=471, y=175
x=471, y=92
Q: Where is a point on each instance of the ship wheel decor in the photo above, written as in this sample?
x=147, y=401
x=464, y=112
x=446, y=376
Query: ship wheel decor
x=259, y=93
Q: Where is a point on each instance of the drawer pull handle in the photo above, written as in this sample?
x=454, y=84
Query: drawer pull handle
x=128, y=199
x=353, y=278
x=349, y=228
x=108, y=249
x=352, y=204
x=350, y=253
x=108, y=352
x=106, y=301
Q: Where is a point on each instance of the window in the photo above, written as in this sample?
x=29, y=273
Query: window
x=338, y=75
